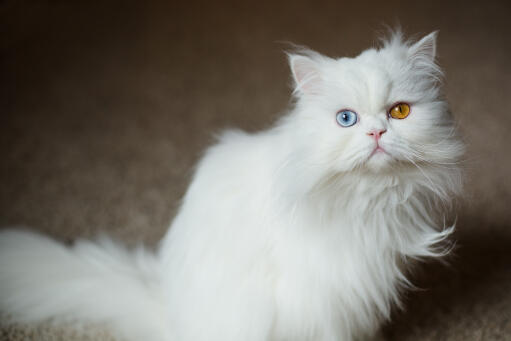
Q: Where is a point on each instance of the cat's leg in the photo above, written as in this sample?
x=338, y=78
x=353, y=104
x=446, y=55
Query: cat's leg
x=223, y=316
x=246, y=327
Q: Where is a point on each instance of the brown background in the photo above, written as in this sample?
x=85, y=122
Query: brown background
x=105, y=107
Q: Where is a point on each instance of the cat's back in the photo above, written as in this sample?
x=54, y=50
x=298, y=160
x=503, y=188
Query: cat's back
x=230, y=187
x=239, y=164
x=220, y=220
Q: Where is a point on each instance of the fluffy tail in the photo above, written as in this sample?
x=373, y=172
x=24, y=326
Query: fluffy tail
x=99, y=282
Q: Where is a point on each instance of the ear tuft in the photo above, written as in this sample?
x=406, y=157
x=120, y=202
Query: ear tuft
x=305, y=72
x=425, y=48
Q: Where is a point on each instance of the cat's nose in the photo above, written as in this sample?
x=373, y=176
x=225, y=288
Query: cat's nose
x=377, y=133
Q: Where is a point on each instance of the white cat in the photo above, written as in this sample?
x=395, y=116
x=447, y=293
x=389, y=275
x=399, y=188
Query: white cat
x=300, y=232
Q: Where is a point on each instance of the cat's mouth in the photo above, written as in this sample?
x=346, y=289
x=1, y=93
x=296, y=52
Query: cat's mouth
x=378, y=150
x=378, y=158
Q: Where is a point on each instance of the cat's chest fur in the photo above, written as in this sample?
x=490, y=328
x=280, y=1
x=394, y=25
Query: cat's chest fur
x=324, y=265
x=337, y=275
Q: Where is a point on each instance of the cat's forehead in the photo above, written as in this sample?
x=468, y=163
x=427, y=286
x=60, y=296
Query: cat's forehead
x=371, y=66
x=398, y=71
x=367, y=80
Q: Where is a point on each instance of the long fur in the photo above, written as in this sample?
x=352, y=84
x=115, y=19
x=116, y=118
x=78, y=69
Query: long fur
x=93, y=282
x=295, y=233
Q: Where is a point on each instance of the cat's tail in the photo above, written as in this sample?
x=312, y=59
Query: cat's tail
x=89, y=282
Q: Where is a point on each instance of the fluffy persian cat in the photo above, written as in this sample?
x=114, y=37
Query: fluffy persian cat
x=300, y=232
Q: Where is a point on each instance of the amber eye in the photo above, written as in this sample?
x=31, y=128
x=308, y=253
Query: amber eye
x=399, y=111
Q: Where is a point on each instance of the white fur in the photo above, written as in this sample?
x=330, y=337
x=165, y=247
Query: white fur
x=94, y=282
x=294, y=233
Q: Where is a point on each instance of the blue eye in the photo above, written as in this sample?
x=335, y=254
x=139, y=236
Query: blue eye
x=346, y=118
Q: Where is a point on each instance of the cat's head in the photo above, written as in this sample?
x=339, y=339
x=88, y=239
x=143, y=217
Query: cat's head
x=380, y=111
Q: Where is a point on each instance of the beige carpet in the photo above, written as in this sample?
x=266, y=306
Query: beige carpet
x=105, y=107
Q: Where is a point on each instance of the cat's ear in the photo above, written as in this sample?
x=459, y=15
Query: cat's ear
x=306, y=74
x=424, y=49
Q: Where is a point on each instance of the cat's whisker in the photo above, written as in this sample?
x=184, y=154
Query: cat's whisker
x=416, y=153
x=422, y=171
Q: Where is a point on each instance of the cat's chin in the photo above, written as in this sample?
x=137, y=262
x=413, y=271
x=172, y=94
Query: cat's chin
x=379, y=161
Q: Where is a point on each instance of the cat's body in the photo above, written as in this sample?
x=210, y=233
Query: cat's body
x=301, y=232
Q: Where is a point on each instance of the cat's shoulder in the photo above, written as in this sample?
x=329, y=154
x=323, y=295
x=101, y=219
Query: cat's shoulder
x=237, y=152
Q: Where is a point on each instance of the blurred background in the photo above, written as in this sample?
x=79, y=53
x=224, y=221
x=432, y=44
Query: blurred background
x=105, y=107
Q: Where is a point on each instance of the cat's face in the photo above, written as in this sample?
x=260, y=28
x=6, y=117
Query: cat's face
x=378, y=111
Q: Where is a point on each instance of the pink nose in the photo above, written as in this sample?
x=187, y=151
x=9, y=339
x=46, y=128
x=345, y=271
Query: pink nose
x=377, y=133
